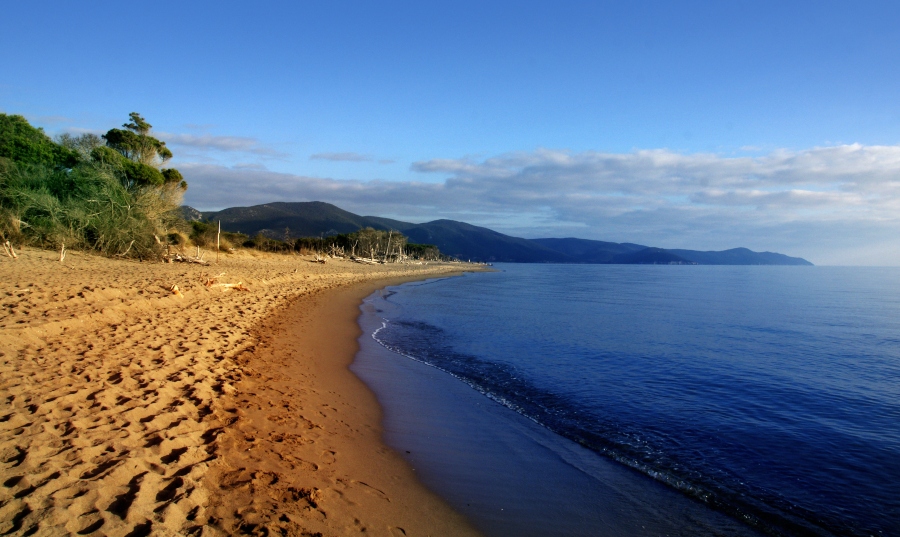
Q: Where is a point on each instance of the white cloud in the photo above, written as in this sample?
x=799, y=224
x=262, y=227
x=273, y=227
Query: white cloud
x=214, y=187
x=816, y=202
x=348, y=157
x=237, y=144
x=49, y=120
x=77, y=130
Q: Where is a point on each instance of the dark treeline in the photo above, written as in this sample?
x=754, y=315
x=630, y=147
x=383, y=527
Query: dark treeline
x=367, y=243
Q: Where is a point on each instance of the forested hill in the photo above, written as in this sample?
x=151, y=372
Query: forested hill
x=468, y=242
x=300, y=219
x=588, y=251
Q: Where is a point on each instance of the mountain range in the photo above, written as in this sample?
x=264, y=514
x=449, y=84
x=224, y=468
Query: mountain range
x=465, y=241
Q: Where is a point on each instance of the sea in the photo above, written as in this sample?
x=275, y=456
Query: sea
x=545, y=399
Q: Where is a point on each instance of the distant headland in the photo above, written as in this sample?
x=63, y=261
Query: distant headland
x=467, y=242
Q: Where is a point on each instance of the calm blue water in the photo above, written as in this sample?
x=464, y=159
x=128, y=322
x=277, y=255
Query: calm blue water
x=771, y=394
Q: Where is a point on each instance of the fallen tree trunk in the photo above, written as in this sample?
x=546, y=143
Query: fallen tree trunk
x=178, y=258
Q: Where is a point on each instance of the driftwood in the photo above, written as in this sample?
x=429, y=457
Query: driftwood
x=178, y=258
x=366, y=261
x=212, y=281
x=169, y=257
x=239, y=286
x=8, y=248
x=336, y=251
x=128, y=249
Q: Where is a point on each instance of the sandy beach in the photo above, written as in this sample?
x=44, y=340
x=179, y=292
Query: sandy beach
x=130, y=409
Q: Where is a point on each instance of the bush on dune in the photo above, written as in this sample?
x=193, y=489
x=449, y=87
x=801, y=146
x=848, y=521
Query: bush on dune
x=86, y=208
x=20, y=142
x=103, y=202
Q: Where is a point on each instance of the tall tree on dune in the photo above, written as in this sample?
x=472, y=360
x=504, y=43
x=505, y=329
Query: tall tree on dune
x=144, y=153
x=135, y=143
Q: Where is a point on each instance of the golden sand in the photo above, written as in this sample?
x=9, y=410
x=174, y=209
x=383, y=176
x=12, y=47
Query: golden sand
x=126, y=409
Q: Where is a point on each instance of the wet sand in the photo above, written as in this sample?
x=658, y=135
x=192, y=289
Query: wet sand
x=126, y=409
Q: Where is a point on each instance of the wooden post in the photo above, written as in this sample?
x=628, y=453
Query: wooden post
x=218, y=233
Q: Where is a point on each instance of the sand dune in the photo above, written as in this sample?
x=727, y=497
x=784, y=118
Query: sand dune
x=128, y=410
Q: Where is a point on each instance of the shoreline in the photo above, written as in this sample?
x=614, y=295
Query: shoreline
x=128, y=410
x=349, y=480
x=506, y=472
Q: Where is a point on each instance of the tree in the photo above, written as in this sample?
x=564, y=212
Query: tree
x=135, y=174
x=135, y=142
x=24, y=144
x=387, y=245
x=425, y=252
x=172, y=176
x=82, y=144
x=139, y=155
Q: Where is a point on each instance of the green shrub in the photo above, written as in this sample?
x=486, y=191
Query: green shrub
x=85, y=195
x=135, y=174
x=24, y=144
x=171, y=175
x=265, y=244
x=140, y=174
x=88, y=207
x=203, y=234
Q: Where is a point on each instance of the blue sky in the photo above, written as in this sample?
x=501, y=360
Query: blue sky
x=706, y=125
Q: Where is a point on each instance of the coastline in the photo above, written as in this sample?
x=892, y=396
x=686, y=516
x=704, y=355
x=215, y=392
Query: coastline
x=126, y=409
x=306, y=450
